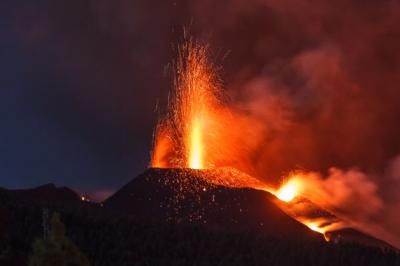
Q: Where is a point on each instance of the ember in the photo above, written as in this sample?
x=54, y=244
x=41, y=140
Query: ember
x=188, y=130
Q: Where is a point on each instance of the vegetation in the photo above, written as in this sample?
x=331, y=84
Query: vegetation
x=56, y=248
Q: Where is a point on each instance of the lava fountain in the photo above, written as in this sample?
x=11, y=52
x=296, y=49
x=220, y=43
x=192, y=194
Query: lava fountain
x=191, y=124
x=196, y=149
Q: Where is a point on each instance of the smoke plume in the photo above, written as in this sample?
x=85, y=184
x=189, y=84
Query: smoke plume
x=322, y=80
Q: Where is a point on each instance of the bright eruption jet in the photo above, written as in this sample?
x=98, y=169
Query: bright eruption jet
x=193, y=121
x=196, y=149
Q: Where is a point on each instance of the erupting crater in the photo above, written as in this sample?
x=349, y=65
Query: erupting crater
x=193, y=145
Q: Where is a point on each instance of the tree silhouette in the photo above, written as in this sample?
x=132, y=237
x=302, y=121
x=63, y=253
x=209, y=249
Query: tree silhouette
x=5, y=255
x=56, y=249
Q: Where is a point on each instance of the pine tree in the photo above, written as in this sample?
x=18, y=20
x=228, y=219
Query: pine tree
x=56, y=249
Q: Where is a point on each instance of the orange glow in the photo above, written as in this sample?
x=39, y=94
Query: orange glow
x=200, y=129
x=196, y=146
x=289, y=190
x=315, y=227
x=319, y=229
x=303, y=210
x=192, y=124
x=323, y=225
x=162, y=147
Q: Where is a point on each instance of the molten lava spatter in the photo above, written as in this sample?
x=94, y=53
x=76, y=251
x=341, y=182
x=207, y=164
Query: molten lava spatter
x=190, y=126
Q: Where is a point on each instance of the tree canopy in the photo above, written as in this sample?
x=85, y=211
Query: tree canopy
x=56, y=249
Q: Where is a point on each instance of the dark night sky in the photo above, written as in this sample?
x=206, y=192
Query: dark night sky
x=80, y=80
x=79, y=84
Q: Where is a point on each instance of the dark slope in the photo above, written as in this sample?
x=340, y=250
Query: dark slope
x=182, y=195
x=305, y=208
x=41, y=195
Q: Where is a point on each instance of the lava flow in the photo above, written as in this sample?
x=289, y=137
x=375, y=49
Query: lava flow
x=293, y=202
x=289, y=190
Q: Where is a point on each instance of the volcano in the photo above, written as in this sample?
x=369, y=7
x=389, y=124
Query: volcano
x=185, y=196
x=218, y=199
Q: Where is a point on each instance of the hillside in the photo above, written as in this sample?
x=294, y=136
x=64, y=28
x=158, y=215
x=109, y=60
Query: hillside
x=176, y=217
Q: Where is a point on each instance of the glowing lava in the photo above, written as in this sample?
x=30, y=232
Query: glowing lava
x=196, y=147
x=289, y=190
x=314, y=227
x=192, y=124
x=319, y=229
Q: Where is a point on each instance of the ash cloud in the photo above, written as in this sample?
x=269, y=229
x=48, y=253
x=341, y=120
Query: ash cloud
x=323, y=78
